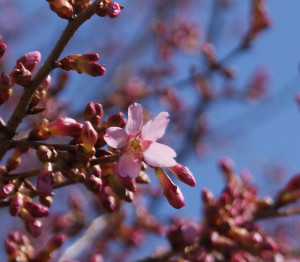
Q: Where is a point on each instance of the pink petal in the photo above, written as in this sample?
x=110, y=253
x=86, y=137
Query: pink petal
x=155, y=128
x=129, y=166
x=135, y=119
x=159, y=155
x=115, y=137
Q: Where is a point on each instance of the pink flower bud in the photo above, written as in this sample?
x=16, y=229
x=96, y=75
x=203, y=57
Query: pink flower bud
x=107, y=201
x=290, y=193
x=36, y=210
x=62, y=8
x=94, y=184
x=6, y=190
x=2, y=47
x=170, y=190
x=115, y=120
x=183, y=174
x=45, y=180
x=89, y=136
x=56, y=242
x=88, y=57
x=93, y=113
x=91, y=68
x=29, y=60
x=11, y=247
x=83, y=64
x=65, y=126
x=5, y=82
x=16, y=204
x=32, y=225
x=113, y=9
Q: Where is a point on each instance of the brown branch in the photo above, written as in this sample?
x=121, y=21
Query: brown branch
x=275, y=213
x=19, y=112
x=35, y=145
x=22, y=175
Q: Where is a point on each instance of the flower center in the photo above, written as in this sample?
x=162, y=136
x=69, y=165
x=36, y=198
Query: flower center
x=135, y=144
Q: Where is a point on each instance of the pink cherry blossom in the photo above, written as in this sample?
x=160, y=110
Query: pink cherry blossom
x=138, y=143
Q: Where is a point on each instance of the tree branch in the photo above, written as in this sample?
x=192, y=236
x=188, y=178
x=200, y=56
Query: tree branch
x=19, y=112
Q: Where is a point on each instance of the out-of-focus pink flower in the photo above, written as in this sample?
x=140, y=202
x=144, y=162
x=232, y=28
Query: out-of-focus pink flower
x=138, y=142
x=2, y=47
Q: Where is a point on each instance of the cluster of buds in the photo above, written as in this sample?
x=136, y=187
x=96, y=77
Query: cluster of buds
x=108, y=8
x=176, y=35
x=19, y=248
x=21, y=205
x=68, y=8
x=85, y=63
x=229, y=231
x=63, y=126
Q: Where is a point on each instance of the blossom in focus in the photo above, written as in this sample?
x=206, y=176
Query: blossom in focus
x=138, y=143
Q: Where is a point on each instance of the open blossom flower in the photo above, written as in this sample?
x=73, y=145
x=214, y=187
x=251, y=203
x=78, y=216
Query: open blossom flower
x=138, y=143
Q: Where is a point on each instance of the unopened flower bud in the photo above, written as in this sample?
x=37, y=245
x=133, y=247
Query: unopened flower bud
x=11, y=247
x=113, y=9
x=93, y=113
x=107, y=201
x=65, y=126
x=32, y=225
x=12, y=163
x=85, y=63
x=29, y=60
x=6, y=190
x=56, y=242
x=94, y=183
x=16, y=204
x=89, y=136
x=62, y=8
x=5, y=88
x=36, y=210
x=91, y=68
x=2, y=47
x=45, y=180
x=290, y=193
x=115, y=120
x=170, y=190
x=183, y=174
x=44, y=154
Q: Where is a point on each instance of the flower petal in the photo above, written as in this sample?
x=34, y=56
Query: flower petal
x=129, y=166
x=159, y=155
x=155, y=128
x=115, y=137
x=135, y=119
